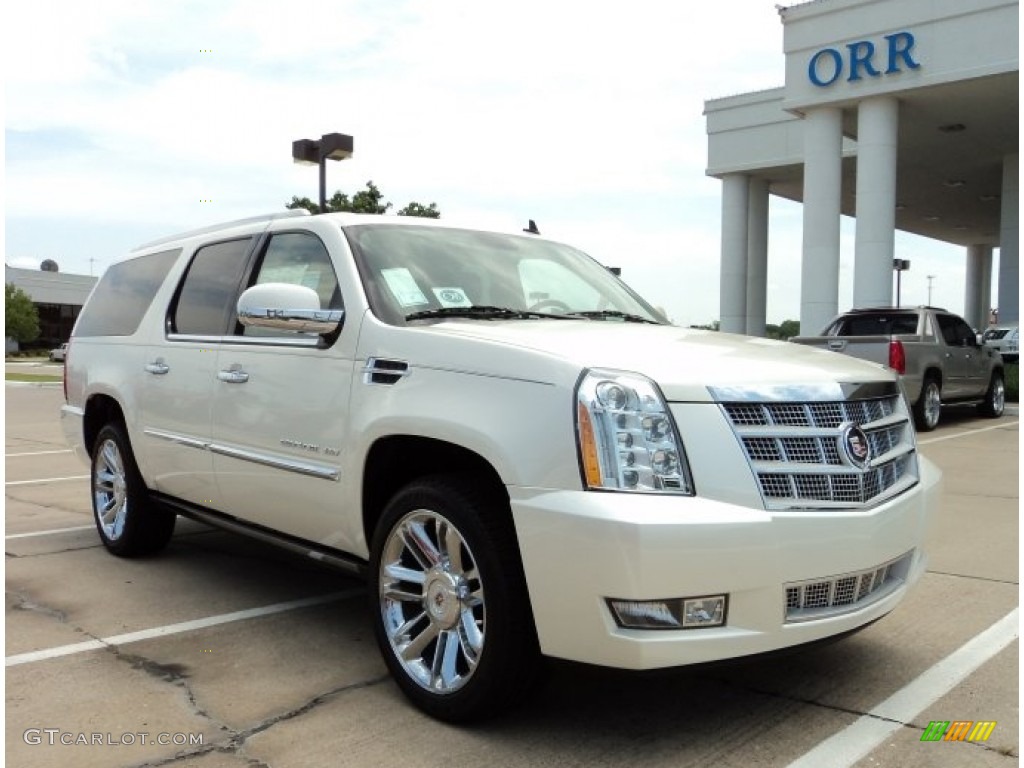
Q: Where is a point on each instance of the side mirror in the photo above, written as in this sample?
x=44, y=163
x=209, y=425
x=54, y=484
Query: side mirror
x=286, y=307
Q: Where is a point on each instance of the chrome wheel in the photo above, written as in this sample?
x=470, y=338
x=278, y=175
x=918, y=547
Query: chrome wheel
x=110, y=490
x=128, y=521
x=995, y=398
x=928, y=407
x=998, y=397
x=932, y=404
x=432, y=601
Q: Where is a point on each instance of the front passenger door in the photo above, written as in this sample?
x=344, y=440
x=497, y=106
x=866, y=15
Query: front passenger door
x=960, y=357
x=280, y=406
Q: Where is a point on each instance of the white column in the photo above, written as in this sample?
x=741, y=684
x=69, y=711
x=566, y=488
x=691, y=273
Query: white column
x=1009, y=242
x=877, y=125
x=823, y=172
x=733, y=286
x=757, y=257
x=978, y=286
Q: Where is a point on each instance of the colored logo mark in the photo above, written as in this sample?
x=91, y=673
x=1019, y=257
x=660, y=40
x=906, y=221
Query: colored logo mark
x=958, y=730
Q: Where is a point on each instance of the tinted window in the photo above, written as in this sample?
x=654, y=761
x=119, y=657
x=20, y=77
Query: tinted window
x=210, y=289
x=123, y=295
x=875, y=324
x=956, y=332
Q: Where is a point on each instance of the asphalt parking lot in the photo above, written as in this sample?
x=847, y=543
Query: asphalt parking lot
x=223, y=652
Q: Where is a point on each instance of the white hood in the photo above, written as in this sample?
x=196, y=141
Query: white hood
x=684, y=362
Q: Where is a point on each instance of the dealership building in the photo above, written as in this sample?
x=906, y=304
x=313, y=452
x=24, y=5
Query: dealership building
x=902, y=115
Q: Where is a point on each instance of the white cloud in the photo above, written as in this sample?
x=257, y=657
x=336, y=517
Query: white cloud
x=584, y=116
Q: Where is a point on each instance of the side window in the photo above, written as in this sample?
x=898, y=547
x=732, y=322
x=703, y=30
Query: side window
x=947, y=324
x=964, y=335
x=298, y=258
x=209, y=290
x=123, y=295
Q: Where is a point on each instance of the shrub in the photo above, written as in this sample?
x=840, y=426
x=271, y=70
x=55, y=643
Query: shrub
x=1012, y=373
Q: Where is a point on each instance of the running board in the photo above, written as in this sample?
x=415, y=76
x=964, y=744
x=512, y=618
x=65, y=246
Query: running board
x=331, y=557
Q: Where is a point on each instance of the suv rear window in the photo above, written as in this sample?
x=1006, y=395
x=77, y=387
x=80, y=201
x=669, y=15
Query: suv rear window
x=874, y=324
x=123, y=295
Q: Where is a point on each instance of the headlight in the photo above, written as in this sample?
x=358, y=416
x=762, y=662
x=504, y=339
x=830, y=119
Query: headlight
x=627, y=440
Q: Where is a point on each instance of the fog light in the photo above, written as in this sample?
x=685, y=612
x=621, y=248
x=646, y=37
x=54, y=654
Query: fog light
x=675, y=613
x=704, y=611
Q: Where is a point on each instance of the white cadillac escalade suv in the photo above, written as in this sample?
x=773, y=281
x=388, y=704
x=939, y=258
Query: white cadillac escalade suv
x=521, y=456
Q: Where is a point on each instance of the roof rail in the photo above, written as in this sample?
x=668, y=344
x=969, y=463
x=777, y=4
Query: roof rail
x=267, y=217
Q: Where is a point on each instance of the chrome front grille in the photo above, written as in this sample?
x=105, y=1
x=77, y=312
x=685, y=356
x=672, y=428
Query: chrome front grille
x=800, y=449
x=833, y=595
x=857, y=488
x=811, y=414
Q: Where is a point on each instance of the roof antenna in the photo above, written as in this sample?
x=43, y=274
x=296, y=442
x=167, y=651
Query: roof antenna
x=532, y=228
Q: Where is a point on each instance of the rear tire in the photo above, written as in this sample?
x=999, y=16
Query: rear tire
x=995, y=398
x=928, y=407
x=449, y=602
x=129, y=522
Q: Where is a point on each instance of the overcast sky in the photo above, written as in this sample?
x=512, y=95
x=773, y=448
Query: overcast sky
x=127, y=120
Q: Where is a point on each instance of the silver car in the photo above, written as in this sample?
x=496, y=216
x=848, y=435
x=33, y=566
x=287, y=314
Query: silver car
x=1004, y=339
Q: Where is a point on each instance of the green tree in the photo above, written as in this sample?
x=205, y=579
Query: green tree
x=20, y=315
x=714, y=325
x=789, y=329
x=415, y=209
x=367, y=200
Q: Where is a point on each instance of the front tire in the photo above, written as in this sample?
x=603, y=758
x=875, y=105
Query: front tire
x=995, y=398
x=129, y=522
x=928, y=407
x=449, y=602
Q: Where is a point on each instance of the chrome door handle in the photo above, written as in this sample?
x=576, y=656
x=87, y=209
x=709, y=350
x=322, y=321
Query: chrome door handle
x=158, y=367
x=233, y=376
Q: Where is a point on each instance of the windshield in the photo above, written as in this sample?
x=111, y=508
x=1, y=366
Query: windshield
x=419, y=272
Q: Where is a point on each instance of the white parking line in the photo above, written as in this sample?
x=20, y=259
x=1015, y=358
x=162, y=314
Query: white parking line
x=35, y=453
x=176, y=629
x=966, y=434
x=46, y=480
x=857, y=740
x=50, y=532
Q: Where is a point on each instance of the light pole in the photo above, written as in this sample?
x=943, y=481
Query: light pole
x=336, y=146
x=899, y=266
x=930, y=278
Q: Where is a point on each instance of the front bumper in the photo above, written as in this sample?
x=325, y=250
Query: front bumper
x=580, y=548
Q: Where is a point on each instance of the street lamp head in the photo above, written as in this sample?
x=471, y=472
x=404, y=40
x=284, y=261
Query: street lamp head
x=306, y=152
x=336, y=146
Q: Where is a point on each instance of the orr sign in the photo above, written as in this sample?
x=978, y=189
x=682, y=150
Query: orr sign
x=862, y=58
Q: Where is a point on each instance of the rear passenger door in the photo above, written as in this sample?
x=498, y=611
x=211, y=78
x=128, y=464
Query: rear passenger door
x=280, y=403
x=179, y=372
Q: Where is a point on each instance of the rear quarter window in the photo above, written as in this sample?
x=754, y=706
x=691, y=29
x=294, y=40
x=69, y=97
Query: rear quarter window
x=123, y=295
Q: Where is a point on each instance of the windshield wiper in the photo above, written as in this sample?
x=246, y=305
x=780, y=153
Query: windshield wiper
x=483, y=312
x=603, y=314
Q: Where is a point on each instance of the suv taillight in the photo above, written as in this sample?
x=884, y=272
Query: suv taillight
x=897, y=357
